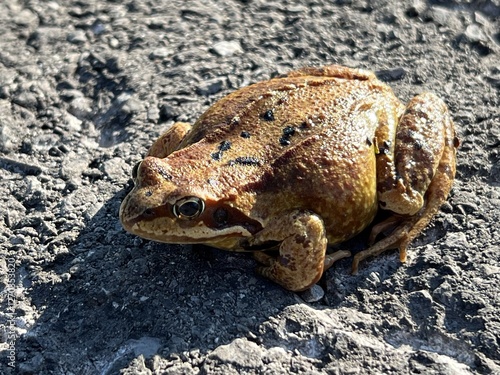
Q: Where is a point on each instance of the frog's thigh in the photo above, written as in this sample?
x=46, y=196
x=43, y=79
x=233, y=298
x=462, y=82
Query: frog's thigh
x=169, y=141
x=413, y=225
x=301, y=254
x=406, y=168
x=435, y=182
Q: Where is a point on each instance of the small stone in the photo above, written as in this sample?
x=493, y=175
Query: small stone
x=77, y=37
x=457, y=240
x=389, y=75
x=240, y=353
x=210, y=87
x=296, y=9
x=26, y=18
x=440, y=15
x=98, y=27
x=475, y=34
x=153, y=114
x=313, y=294
x=422, y=305
x=7, y=138
x=161, y=53
x=80, y=107
x=416, y=8
x=69, y=94
x=26, y=99
x=114, y=43
x=168, y=112
x=116, y=169
x=132, y=106
x=227, y=48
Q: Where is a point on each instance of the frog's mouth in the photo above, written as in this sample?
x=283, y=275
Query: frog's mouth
x=228, y=238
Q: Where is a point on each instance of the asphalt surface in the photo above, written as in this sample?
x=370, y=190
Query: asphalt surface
x=86, y=87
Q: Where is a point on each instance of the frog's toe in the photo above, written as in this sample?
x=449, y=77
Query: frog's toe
x=330, y=259
x=386, y=226
x=399, y=239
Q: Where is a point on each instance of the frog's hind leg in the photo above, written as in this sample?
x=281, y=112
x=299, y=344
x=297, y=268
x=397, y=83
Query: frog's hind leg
x=409, y=228
x=418, y=181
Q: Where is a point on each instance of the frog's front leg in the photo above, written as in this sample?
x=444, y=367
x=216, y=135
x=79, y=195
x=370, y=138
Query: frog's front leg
x=302, y=250
x=169, y=141
x=415, y=172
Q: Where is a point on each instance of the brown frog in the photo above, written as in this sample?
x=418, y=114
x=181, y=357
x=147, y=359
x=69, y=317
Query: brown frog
x=296, y=163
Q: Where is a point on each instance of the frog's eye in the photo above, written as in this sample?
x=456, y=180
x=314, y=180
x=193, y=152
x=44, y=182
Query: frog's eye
x=188, y=208
x=135, y=170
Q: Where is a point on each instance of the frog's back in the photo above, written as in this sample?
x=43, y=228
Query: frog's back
x=268, y=119
x=302, y=141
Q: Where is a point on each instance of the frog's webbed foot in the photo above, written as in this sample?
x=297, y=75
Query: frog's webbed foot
x=301, y=259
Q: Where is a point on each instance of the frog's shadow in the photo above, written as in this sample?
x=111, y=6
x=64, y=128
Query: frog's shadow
x=114, y=291
x=117, y=290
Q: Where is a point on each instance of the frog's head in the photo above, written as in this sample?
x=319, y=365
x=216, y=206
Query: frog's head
x=167, y=206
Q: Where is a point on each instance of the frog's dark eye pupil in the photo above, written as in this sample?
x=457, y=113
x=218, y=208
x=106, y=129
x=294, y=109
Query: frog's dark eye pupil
x=188, y=208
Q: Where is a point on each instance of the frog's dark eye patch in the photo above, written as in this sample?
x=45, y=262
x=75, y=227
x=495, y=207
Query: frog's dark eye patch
x=188, y=208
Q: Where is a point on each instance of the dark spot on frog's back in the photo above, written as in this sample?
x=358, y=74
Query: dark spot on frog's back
x=223, y=146
x=246, y=160
x=305, y=125
x=288, y=132
x=245, y=134
x=268, y=115
x=162, y=172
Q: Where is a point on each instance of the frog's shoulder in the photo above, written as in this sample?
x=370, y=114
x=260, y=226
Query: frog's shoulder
x=335, y=71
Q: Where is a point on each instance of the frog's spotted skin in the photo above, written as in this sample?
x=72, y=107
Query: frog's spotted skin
x=295, y=163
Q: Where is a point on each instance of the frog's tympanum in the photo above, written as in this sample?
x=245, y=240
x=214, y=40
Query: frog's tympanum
x=294, y=164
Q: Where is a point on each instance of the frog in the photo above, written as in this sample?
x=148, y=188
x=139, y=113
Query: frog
x=289, y=167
